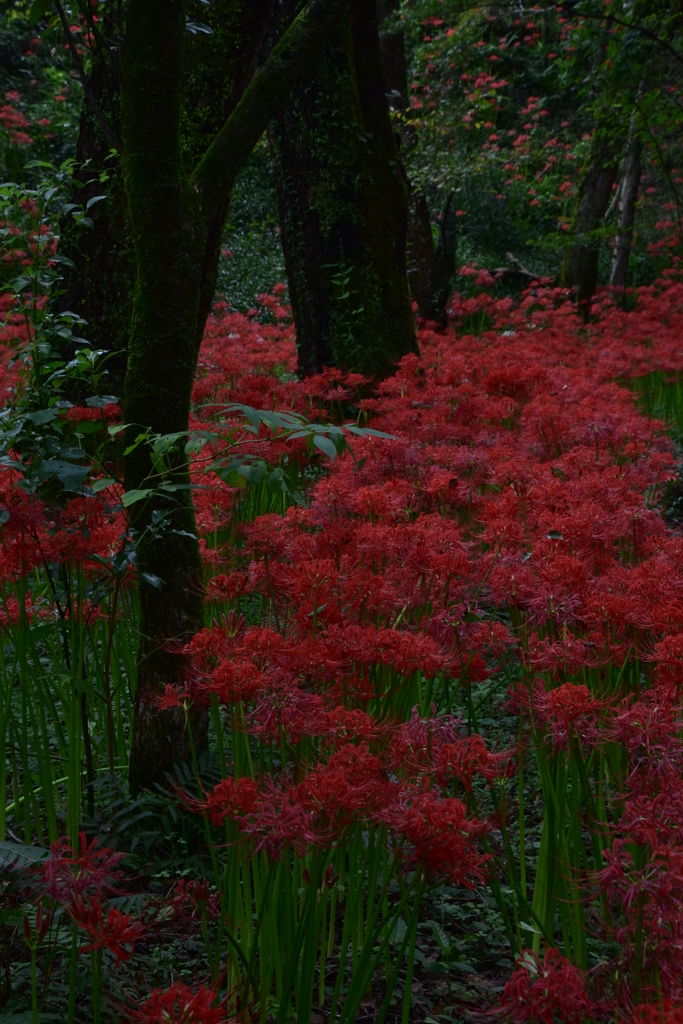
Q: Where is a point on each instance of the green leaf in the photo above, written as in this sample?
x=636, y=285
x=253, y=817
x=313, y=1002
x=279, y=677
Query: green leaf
x=367, y=432
x=462, y=965
x=4, y=516
x=559, y=473
x=21, y=855
x=130, y=497
x=39, y=9
x=101, y=401
x=68, y=474
x=99, y=485
x=166, y=442
x=42, y=416
x=325, y=445
x=95, y=199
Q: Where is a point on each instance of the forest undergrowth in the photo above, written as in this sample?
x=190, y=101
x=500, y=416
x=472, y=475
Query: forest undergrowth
x=442, y=664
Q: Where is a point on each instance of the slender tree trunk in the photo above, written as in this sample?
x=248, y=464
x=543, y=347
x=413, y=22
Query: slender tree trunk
x=173, y=215
x=581, y=262
x=420, y=252
x=443, y=265
x=630, y=184
x=343, y=208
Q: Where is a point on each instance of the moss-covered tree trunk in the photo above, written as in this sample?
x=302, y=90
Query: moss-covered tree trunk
x=173, y=214
x=169, y=234
x=344, y=206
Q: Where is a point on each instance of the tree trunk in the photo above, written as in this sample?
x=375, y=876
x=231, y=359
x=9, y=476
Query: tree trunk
x=420, y=252
x=99, y=285
x=630, y=184
x=394, y=60
x=443, y=265
x=216, y=69
x=173, y=216
x=343, y=208
x=580, y=270
x=169, y=233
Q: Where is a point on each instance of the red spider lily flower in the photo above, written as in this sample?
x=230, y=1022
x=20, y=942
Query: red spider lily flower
x=43, y=922
x=649, y=729
x=180, y=1004
x=469, y=757
x=231, y=799
x=67, y=874
x=190, y=895
x=225, y=587
x=115, y=932
x=435, y=833
x=546, y=992
x=172, y=697
x=568, y=710
x=435, y=745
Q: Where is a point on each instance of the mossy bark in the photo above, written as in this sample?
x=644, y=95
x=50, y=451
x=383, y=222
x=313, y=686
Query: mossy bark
x=168, y=232
x=343, y=207
x=173, y=216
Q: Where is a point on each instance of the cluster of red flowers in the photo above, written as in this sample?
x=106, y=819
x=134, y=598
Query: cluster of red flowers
x=78, y=881
x=14, y=120
x=519, y=477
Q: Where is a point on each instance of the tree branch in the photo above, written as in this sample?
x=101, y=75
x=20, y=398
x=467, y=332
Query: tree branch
x=294, y=54
x=569, y=7
x=89, y=94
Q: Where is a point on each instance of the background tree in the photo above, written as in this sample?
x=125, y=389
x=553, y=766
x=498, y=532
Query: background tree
x=343, y=203
x=507, y=110
x=174, y=213
x=222, y=44
x=628, y=196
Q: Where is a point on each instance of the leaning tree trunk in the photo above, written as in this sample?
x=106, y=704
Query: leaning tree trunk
x=173, y=215
x=343, y=208
x=580, y=270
